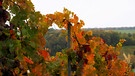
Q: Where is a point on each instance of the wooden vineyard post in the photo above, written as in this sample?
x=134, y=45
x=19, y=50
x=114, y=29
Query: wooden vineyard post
x=68, y=45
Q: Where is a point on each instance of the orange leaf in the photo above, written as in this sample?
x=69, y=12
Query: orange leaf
x=82, y=22
x=79, y=35
x=44, y=54
x=75, y=18
x=26, y=59
x=90, y=58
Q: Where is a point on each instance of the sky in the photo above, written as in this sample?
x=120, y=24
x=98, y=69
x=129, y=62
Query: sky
x=95, y=13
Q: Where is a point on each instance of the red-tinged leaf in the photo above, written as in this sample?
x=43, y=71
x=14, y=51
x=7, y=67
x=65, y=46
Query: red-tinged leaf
x=0, y=3
x=87, y=48
x=37, y=70
x=13, y=37
x=11, y=32
x=105, y=54
x=26, y=59
x=44, y=54
x=109, y=57
x=114, y=56
x=85, y=61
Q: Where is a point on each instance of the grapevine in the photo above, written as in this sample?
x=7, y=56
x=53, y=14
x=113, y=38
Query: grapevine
x=23, y=52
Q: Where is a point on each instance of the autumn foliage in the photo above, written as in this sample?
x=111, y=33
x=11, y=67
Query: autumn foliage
x=22, y=42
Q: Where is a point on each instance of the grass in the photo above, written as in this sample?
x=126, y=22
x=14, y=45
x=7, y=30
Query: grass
x=128, y=50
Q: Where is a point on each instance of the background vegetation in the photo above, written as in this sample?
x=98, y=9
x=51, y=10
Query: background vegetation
x=56, y=39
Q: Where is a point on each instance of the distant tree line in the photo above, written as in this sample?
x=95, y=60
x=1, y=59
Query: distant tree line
x=56, y=40
x=112, y=28
x=112, y=37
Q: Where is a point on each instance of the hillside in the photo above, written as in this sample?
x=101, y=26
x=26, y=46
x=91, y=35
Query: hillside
x=117, y=29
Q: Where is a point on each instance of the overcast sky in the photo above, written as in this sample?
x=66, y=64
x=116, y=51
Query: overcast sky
x=95, y=13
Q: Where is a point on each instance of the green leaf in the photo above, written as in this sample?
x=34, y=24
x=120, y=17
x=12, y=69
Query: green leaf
x=22, y=14
x=32, y=44
x=14, y=9
x=0, y=45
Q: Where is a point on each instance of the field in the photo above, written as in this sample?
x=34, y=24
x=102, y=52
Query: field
x=125, y=31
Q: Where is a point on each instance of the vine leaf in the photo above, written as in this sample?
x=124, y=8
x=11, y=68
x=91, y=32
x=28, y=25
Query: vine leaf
x=28, y=60
x=44, y=54
x=12, y=34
